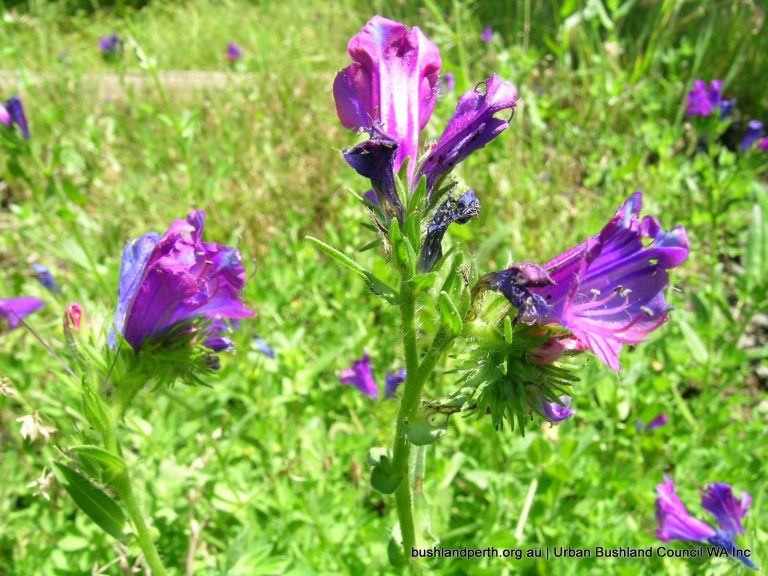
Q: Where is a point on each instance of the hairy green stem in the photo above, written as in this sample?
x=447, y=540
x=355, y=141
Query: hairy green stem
x=417, y=374
x=122, y=485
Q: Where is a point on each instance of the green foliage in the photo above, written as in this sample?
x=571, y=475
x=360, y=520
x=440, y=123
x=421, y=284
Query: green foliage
x=264, y=470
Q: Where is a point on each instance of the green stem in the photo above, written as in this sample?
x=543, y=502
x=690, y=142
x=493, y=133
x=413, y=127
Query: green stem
x=417, y=372
x=122, y=485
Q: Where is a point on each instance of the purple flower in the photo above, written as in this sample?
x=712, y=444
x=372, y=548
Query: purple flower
x=472, y=126
x=459, y=210
x=234, y=52
x=703, y=99
x=726, y=108
x=608, y=290
x=487, y=35
x=392, y=85
x=762, y=144
x=660, y=420
x=393, y=380
x=44, y=276
x=111, y=44
x=12, y=310
x=676, y=523
x=13, y=114
x=262, y=346
x=719, y=501
x=175, y=280
x=360, y=375
x=753, y=134
x=556, y=411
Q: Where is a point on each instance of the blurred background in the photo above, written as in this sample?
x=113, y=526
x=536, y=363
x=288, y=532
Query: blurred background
x=265, y=472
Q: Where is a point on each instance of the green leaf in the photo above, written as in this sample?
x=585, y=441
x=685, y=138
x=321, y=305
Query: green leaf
x=449, y=315
x=92, y=500
x=110, y=464
x=395, y=553
x=757, y=249
x=337, y=255
x=383, y=478
x=426, y=427
x=694, y=342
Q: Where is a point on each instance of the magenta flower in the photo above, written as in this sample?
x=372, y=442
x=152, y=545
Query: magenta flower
x=392, y=85
x=12, y=114
x=554, y=349
x=658, y=422
x=703, y=99
x=234, y=52
x=762, y=144
x=472, y=126
x=73, y=317
x=608, y=290
x=556, y=411
x=360, y=375
x=753, y=134
x=13, y=310
x=169, y=283
x=676, y=523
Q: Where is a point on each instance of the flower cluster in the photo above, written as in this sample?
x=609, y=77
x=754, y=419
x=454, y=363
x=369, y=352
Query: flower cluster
x=110, y=45
x=704, y=100
x=676, y=523
x=175, y=287
x=390, y=91
x=606, y=291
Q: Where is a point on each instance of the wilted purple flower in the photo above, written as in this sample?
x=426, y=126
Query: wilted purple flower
x=13, y=114
x=374, y=159
x=392, y=85
x=703, y=99
x=262, y=346
x=175, y=280
x=449, y=82
x=44, y=276
x=234, y=52
x=487, y=35
x=12, y=310
x=676, y=523
x=608, y=290
x=660, y=420
x=459, y=210
x=111, y=44
x=557, y=412
x=753, y=134
x=360, y=375
x=472, y=126
x=393, y=380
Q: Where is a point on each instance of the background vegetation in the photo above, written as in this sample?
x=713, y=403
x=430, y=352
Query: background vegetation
x=264, y=472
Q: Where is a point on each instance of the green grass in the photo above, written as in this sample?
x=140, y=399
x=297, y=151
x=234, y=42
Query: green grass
x=267, y=467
